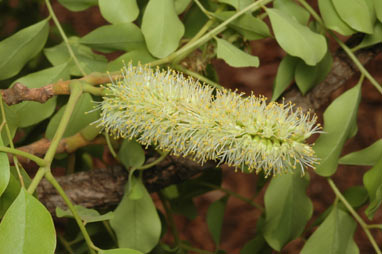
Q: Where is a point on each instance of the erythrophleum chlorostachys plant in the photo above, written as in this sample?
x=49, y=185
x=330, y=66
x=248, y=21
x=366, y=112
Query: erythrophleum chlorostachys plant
x=181, y=116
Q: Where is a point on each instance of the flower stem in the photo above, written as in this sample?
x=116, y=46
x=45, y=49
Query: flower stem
x=30, y=156
x=152, y=164
x=198, y=76
x=63, y=35
x=62, y=193
x=363, y=225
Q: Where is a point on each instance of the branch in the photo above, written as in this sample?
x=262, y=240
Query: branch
x=103, y=188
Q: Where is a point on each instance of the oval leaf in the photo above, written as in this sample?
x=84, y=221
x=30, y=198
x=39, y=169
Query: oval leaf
x=331, y=18
x=126, y=36
x=290, y=8
x=307, y=76
x=78, y=5
x=365, y=157
x=215, y=214
x=161, y=27
x=373, y=184
x=355, y=13
x=30, y=112
x=137, y=223
x=334, y=235
x=79, y=119
x=238, y=4
x=131, y=154
x=287, y=209
x=87, y=215
x=27, y=227
x=119, y=11
x=340, y=121
x=234, y=56
x=284, y=75
x=296, y=39
x=181, y=5
x=371, y=39
x=18, y=49
x=4, y=170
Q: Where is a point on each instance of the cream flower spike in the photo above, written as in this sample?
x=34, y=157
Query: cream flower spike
x=180, y=115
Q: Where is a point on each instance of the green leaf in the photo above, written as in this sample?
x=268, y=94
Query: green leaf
x=120, y=251
x=215, y=214
x=27, y=227
x=126, y=36
x=331, y=18
x=79, y=119
x=161, y=27
x=372, y=39
x=334, y=235
x=309, y=76
x=378, y=9
x=193, y=20
x=340, y=119
x=136, y=222
x=287, y=209
x=284, y=75
x=355, y=13
x=247, y=25
x=292, y=9
x=256, y=245
x=234, y=56
x=373, y=184
x=78, y=5
x=131, y=154
x=119, y=11
x=181, y=5
x=136, y=56
x=4, y=170
x=171, y=192
x=30, y=112
x=87, y=215
x=18, y=49
x=13, y=189
x=296, y=39
x=368, y=156
x=356, y=196
x=89, y=61
x=238, y=4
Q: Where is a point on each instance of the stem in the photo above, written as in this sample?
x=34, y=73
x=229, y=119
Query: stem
x=30, y=156
x=37, y=178
x=110, y=231
x=65, y=244
x=347, y=50
x=155, y=162
x=62, y=193
x=234, y=194
x=63, y=35
x=355, y=215
x=191, y=46
x=198, y=76
x=201, y=7
x=170, y=218
x=110, y=146
x=75, y=93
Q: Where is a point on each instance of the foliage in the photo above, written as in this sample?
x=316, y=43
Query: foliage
x=168, y=33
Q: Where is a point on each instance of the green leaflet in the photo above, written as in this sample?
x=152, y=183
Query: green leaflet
x=18, y=49
x=334, y=235
x=234, y=56
x=119, y=11
x=161, y=27
x=78, y=5
x=136, y=221
x=215, y=214
x=339, y=125
x=331, y=18
x=27, y=227
x=296, y=39
x=373, y=184
x=284, y=75
x=287, y=209
x=365, y=157
x=131, y=154
x=292, y=9
x=4, y=170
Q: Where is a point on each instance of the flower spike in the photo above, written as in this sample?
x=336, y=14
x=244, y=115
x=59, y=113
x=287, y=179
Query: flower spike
x=180, y=115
